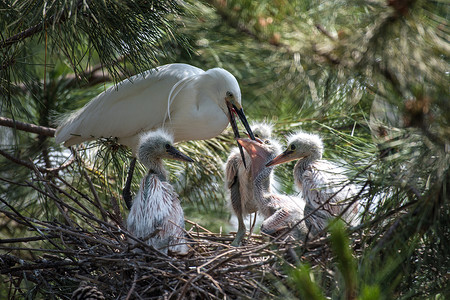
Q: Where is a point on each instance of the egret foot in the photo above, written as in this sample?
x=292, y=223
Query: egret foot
x=126, y=192
x=239, y=236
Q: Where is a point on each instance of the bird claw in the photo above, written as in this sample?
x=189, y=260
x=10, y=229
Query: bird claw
x=238, y=239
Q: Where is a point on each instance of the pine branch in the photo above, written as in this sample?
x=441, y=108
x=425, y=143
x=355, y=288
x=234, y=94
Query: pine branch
x=22, y=35
x=41, y=130
x=29, y=32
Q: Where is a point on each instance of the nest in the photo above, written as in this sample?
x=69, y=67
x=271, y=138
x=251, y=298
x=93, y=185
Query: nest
x=102, y=263
x=87, y=254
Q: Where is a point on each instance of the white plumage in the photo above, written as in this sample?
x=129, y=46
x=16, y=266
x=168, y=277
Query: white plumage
x=156, y=215
x=280, y=212
x=240, y=183
x=321, y=182
x=188, y=102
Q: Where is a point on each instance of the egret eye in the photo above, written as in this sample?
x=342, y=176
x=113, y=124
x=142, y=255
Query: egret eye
x=267, y=142
x=167, y=146
x=292, y=147
x=256, y=135
x=229, y=94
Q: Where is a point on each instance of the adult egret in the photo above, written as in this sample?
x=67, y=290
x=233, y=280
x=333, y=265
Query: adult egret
x=156, y=214
x=280, y=211
x=190, y=103
x=239, y=181
x=322, y=182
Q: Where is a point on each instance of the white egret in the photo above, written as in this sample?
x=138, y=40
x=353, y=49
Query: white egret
x=188, y=102
x=321, y=182
x=156, y=215
x=281, y=212
x=239, y=181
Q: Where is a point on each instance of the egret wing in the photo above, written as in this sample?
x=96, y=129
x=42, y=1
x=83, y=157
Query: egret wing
x=136, y=104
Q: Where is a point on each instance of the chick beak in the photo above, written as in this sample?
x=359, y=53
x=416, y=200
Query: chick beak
x=177, y=155
x=282, y=158
x=257, y=152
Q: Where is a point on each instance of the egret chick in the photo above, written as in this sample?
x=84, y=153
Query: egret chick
x=156, y=215
x=321, y=182
x=239, y=181
x=281, y=212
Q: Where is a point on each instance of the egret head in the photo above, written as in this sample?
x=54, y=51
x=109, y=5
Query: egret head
x=157, y=145
x=260, y=151
x=301, y=145
x=230, y=93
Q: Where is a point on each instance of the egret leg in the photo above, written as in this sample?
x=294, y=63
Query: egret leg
x=236, y=203
x=253, y=224
x=241, y=231
x=126, y=192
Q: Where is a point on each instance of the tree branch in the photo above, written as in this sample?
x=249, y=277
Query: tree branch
x=22, y=35
x=41, y=130
x=34, y=29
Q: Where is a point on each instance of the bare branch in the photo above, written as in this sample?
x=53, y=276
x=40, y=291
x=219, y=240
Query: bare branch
x=18, y=125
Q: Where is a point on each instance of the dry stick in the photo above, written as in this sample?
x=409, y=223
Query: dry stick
x=198, y=226
x=13, y=182
x=213, y=267
x=77, y=234
x=215, y=283
x=31, y=267
x=28, y=222
x=71, y=252
x=186, y=286
x=92, y=188
x=26, y=239
x=13, y=216
x=217, y=257
x=133, y=286
x=39, y=175
x=54, y=198
x=73, y=199
x=94, y=192
x=79, y=203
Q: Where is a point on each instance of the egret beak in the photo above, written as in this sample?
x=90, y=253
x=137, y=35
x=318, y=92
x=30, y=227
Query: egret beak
x=240, y=112
x=282, y=158
x=177, y=155
x=233, y=109
x=256, y=138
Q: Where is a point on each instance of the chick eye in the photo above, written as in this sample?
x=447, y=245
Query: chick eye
x=292, y=147
x=267, y=142
x=229, y=94
x=256, y=135
x=167, y=146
